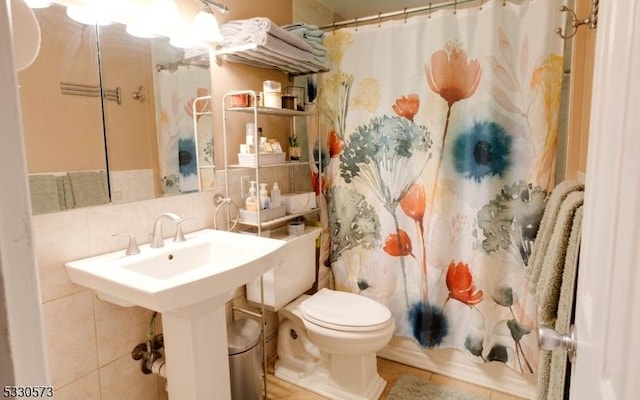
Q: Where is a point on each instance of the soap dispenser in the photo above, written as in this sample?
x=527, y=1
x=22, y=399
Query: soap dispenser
x=275, y=195
x=265, y=200
x=251, y=204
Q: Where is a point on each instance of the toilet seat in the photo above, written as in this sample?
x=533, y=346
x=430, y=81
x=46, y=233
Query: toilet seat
x=344, y=311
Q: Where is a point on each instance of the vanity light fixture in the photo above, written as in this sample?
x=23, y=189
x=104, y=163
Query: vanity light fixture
x=87, y=15
x=222, y=8
x=206, y=27
x=183, y=43
x=38, y=3
x=139, y=31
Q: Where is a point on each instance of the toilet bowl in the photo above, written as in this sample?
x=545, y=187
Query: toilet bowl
x=327, y=342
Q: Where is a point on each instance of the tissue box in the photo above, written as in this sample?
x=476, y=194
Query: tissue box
x=298, y=202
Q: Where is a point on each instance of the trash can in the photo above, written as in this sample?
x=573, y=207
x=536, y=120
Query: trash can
x=245, y=360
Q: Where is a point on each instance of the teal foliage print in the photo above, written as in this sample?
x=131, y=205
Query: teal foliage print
x=511, y=220
x=482, y=151
x=388, y=155
x=474, y=344
x=498, y=353
x=352, y=221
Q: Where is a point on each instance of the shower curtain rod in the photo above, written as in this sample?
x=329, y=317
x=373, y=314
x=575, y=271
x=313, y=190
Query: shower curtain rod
x=406, y=12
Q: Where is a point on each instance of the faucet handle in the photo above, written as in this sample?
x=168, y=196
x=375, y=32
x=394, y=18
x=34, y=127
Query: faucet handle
x=179, y=237
x=132, y=248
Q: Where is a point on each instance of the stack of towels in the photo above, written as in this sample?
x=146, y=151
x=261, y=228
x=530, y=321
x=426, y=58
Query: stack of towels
x=553, y=269
x=312, y=35
x=294, y=48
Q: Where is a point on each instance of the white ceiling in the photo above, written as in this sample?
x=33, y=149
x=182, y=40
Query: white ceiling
x=349, y=9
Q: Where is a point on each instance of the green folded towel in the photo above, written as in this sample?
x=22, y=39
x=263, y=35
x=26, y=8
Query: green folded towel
x=44, y=193
x=89, y=188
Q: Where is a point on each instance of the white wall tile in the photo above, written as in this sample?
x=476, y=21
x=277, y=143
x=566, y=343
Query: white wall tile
x=123, y=380
x=118, y=329
x=58, y=238
x=71, y=337
x=105, y=221
x=87, y=387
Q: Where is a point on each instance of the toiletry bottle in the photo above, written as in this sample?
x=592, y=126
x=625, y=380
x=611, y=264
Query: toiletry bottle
x=275, y=195
x=250, y=137
x=251, y=204
x=265, y=200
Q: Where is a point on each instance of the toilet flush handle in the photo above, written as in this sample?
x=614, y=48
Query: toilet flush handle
x=549, y=339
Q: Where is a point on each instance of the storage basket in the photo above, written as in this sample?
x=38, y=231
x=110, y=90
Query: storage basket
x=249, y=160
x=265, y=215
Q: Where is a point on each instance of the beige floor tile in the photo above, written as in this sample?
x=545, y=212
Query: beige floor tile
x=390, y=371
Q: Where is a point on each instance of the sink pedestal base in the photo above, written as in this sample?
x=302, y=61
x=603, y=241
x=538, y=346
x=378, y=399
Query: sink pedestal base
x=196, y=351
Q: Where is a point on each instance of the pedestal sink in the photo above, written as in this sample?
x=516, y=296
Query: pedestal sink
x=189, y=283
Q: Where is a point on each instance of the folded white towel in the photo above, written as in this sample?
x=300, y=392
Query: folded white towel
x=246, y=31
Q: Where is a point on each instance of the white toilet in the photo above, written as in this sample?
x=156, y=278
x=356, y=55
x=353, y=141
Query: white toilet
x=327, y=342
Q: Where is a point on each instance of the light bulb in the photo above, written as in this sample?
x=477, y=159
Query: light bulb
x=206, y=27
x=183, y=43
x=140, y=31
x=38, y=3
x=87, y=16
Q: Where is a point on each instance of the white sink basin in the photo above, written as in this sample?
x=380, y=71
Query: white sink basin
x=209, y=263
x=189, y=283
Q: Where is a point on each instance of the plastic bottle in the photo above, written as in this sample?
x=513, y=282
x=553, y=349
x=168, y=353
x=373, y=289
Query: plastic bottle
x=249, y=137
x=251, y=203
x=275, y=195
x=265, y=200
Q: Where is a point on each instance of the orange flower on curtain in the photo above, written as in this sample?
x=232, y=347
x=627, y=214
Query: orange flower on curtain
x=398, y=244
x=461, y=286
x=451, y=75
x=336, y=145
x=407, y=106
x=414, y=202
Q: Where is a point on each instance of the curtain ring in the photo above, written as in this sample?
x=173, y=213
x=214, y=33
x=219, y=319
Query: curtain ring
x=405, y=15
x=430, y=11
x=379, y=19
x=455, y=7
x=481, y=1
x=356, y=23
x=504, y=3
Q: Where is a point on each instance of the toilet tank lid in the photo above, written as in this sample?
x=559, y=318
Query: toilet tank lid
x=345, y=309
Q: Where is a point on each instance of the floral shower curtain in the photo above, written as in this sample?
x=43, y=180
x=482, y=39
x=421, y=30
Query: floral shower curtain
x=441, y=135
x=177, y=147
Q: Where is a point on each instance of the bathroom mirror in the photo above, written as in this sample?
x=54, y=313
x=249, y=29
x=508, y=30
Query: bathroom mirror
x=107, y=116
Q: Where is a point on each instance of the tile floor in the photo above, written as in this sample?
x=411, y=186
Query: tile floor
x=390, y=371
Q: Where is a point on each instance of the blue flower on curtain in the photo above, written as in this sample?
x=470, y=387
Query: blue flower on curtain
x=429, y=324
x=187, y=157
x=482, y=151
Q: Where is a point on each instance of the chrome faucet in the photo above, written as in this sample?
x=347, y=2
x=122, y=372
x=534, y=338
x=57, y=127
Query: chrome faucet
x=157, y=239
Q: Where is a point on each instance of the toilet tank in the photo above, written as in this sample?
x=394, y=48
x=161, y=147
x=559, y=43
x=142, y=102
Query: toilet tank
x=294, y=276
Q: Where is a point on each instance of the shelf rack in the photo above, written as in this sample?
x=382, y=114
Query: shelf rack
x=263, y=57
x=259, y=224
